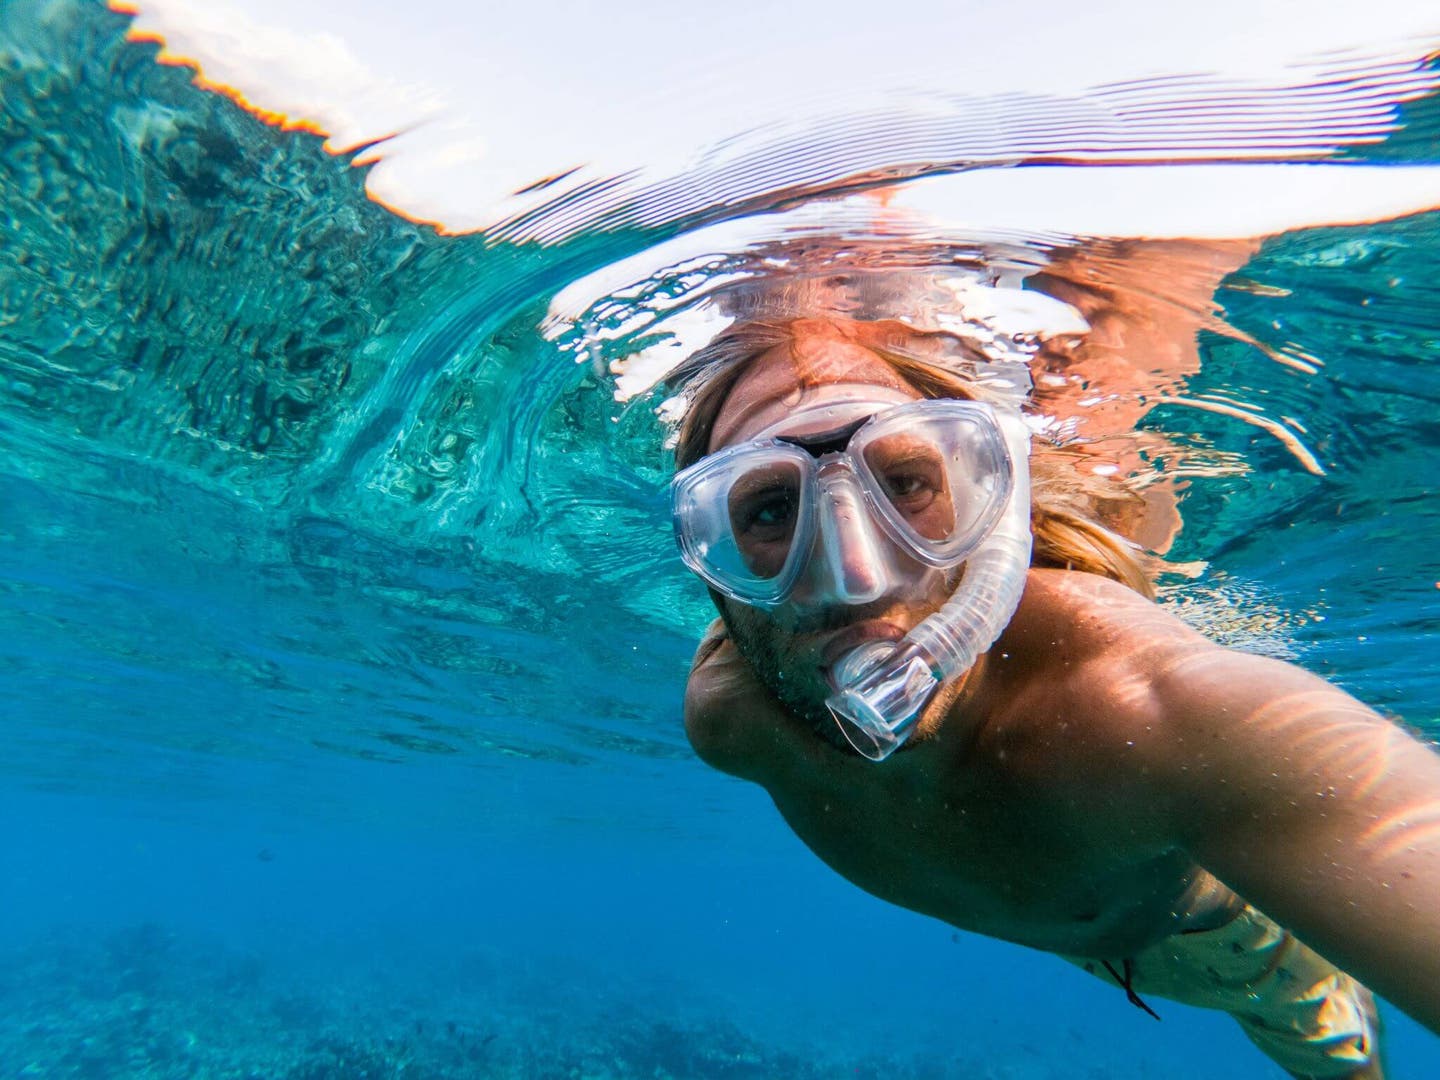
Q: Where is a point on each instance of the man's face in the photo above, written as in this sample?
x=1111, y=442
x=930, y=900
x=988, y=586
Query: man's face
x=792, y=646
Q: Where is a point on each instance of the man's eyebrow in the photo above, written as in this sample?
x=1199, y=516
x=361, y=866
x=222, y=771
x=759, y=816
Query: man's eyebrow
x=915, y=451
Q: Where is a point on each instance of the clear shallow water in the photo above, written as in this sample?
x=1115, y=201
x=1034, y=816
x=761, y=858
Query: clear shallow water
x=343, y=641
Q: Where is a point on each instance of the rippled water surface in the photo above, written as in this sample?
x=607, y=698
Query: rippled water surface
x=342, y=638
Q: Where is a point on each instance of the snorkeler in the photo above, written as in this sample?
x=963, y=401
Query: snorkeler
x=958, y=691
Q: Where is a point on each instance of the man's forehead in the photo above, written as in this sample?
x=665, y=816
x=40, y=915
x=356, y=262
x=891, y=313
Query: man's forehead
x=810, y=371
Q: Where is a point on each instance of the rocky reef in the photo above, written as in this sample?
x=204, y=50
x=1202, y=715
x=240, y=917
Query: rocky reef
x=149, y=1003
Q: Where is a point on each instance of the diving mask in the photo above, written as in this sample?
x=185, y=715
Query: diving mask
x=868, y=487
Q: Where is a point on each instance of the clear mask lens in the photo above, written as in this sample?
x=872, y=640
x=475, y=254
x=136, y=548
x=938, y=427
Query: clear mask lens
x=737, y=519
x=911, y=476
x=940, y=475
x=763, y=514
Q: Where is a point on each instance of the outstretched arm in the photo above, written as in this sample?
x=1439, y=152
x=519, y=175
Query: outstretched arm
x=1316, y=809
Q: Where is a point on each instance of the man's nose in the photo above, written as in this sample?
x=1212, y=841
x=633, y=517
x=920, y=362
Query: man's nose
x=850, y=565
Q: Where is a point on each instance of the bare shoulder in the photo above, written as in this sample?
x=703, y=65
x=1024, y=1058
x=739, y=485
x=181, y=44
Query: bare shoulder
x=712, y=701
x=733, y=722
x=1078, y=699
x=1128, y=668
x=1087, y=618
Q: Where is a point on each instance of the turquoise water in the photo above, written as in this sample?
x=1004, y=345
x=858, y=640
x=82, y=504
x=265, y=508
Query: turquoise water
x=342, y=637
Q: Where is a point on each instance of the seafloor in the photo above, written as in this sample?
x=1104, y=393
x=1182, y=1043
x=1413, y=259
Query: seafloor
x=146, y=1002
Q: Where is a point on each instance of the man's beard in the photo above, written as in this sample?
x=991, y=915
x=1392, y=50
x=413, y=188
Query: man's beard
x=799, y=685
x=801, y=689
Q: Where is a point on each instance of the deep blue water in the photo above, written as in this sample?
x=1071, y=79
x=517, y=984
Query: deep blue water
x=342, y=641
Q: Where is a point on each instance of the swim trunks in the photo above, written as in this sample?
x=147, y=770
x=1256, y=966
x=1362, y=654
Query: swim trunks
x=1300, y=1009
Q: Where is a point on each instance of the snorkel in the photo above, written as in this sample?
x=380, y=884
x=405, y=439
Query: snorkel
x=882, y=688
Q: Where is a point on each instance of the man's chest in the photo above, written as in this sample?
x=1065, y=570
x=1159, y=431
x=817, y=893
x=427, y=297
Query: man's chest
x=988, y=860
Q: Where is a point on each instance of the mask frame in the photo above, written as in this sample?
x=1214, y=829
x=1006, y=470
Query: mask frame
x=965, y=435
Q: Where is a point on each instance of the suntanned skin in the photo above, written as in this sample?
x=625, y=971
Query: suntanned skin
x=1078, y=787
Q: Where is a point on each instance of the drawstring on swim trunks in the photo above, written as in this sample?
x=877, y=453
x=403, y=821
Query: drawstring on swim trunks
x=1130, y=994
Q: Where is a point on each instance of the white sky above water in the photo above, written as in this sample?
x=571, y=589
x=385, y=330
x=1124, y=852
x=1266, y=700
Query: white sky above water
x=493, y=97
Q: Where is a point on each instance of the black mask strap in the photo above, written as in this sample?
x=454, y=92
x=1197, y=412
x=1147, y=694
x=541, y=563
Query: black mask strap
x=821, y=443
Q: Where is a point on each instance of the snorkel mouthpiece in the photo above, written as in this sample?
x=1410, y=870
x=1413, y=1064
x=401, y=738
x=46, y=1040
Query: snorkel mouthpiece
x=881, y=688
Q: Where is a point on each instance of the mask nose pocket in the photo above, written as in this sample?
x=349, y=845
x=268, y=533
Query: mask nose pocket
x=856, y=563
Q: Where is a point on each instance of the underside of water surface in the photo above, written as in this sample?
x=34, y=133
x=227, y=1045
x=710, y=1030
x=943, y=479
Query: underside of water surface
x=343, y=639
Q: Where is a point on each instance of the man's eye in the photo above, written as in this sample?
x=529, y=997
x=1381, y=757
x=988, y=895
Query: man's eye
x=905, y=484
x=909, y=490
x=767, y=513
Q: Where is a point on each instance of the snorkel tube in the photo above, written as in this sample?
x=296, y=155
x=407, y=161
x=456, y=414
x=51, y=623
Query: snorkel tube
x=882, y=687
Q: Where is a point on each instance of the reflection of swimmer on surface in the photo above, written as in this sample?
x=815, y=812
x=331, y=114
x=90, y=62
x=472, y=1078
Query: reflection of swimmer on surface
x=1063, y=763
